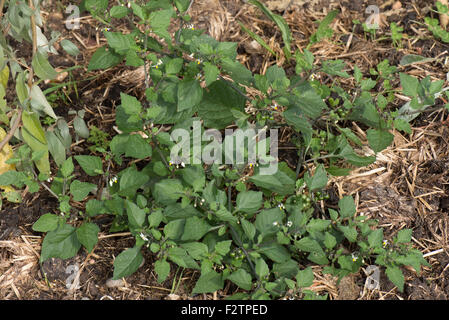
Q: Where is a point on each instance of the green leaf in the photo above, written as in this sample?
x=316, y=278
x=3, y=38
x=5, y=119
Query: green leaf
x=60, y=243
x=267, y=221
x=197, y=250
x=67, y=167
x=349, y=232
x=211, y=73
x=80, y=190
x=155, y=218
x=194, y=229
x=174, y=229
x=47, y=222
x=32, y=124
x=329, y=240
x=103, y=59
x=118, y=12
x=168, y=191
x=92, y=165
x=80, y=127
x=223, y=247
x=409, y=84
x=347, y=207
x=162, y=268
x=248, y=228
x=174, y=66
x=249, y=201
x=396, y=276
x=209, y=282
x=12, y=177
x=218, y=100
x=279, y=182
x=262, y=269
x=136, y=216
x=69, y=47
x=127, y=262
x=375, y=238
x=304, y=278
x=137, y=147
x=323, y=30
x=315, y=225
x=404, y=236
x=42, y=67
x=379, y=139
x=190, y=94
x=307, y=101
x=131, y=180
x=238, y=72
x=241, y=278
x=308, y=244
x=94, y=207
x=56, y=147
x=319, y=179
x=130, y=104
x=87, y=234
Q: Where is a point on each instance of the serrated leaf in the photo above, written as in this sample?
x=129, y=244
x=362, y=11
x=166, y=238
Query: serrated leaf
x=127, y=262
x=347, y=207
x=304, y=278
x=396, y=276
x=209, y=282
x=87, y=234
x=162, y=268
x=190, y=94
x=103, y=59
x=379, y=139
x=60, y=243
x=47, y=222
x=92, y=165
x=80, y=190
x=241, y=278
x=249, y=201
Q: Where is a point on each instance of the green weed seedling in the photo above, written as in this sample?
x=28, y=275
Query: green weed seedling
x=226, y=219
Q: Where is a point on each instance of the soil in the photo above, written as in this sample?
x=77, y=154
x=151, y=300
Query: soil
x=388, y=199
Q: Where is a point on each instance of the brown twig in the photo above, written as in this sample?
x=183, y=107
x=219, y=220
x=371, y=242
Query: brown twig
x=13, y=129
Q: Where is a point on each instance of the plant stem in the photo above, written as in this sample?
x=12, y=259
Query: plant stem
x=34, y=34
x=13, y=129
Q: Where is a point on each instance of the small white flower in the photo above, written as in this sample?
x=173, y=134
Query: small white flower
x=159, y=62
x=281, y=206
x=275, y=106
x=112, y=181
x=49, y=179
x=183, y=164
x=384, y=243
x=354, y=256
x=143, y=237
x=275, y=223
x=202, y=201
x=199, y=61
x=190, y=26
x=129, y=4
x=289, y=224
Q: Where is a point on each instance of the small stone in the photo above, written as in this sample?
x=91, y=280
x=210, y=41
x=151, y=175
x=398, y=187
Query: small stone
x=173, y=296
x=110, y=283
